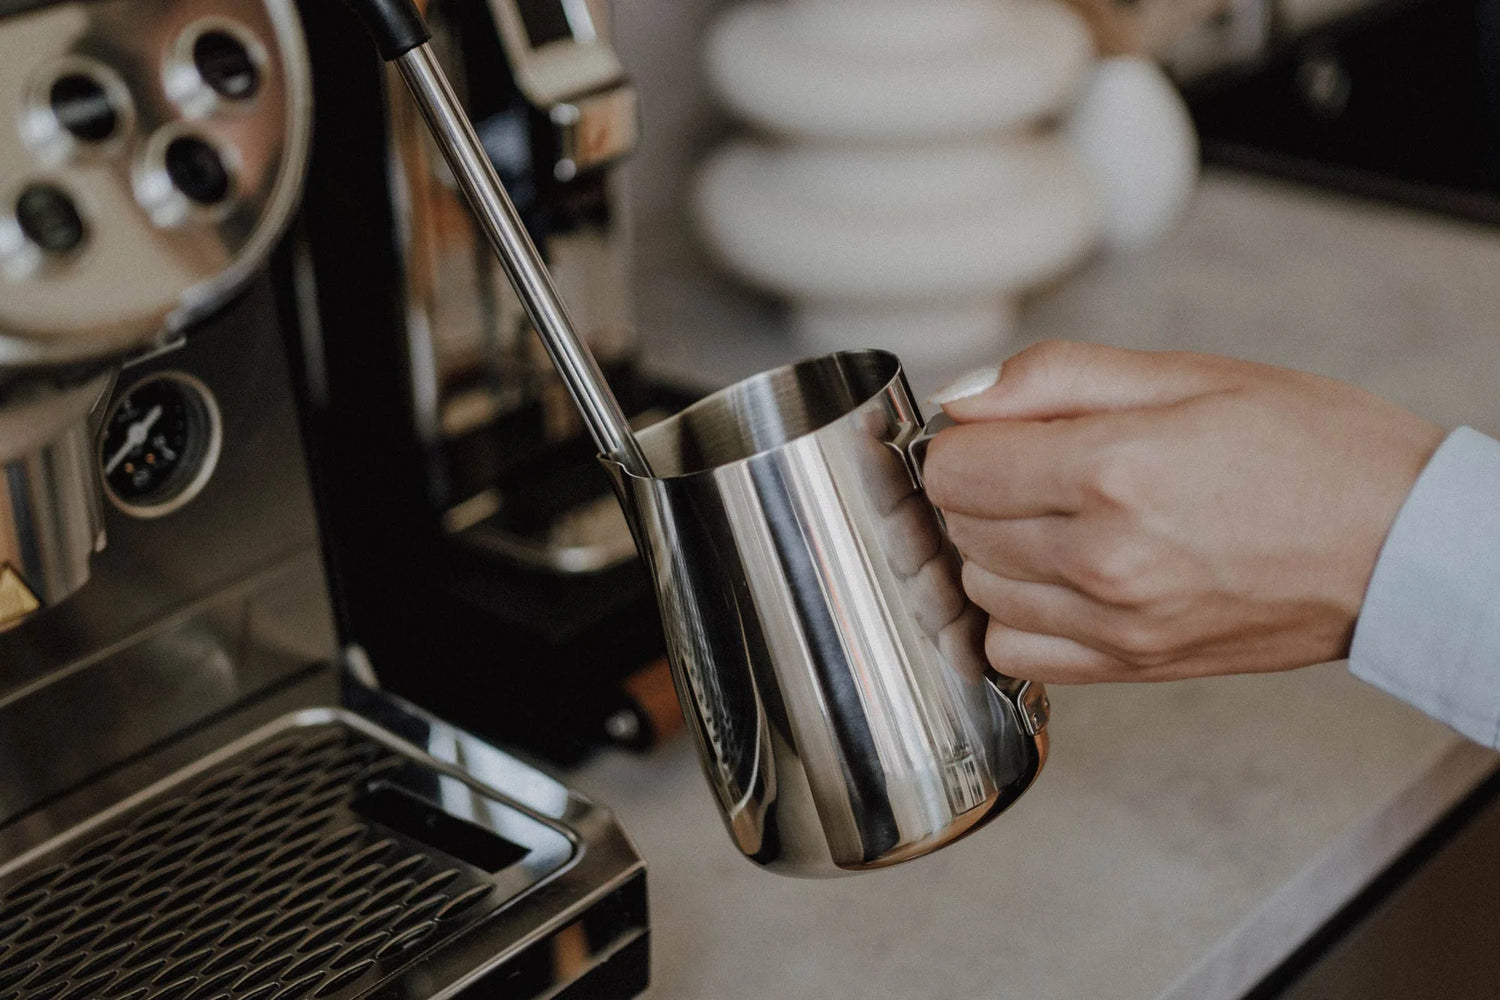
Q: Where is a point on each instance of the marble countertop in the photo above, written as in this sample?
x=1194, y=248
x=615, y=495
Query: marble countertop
x=1184, y=838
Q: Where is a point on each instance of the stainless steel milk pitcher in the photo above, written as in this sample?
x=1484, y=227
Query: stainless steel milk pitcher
x=826, y=657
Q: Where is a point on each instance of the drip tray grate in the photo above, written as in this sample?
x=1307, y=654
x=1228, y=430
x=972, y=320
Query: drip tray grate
x=265, y=877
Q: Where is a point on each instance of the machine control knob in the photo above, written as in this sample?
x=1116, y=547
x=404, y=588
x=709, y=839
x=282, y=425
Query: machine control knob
x=197, y=170
x=49, y=219
x=83, y=107
x=226, y=65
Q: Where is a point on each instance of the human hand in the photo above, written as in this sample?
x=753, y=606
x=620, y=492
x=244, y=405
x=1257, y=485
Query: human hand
x=1127, y=515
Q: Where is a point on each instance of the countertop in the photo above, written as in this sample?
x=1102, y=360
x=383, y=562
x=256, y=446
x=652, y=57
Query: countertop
x=1183, y=838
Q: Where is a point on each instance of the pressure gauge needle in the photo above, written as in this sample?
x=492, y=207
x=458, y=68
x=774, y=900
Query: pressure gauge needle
x=134, y=438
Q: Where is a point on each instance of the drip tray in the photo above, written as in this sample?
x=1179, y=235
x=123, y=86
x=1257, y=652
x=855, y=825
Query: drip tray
x=317, y=858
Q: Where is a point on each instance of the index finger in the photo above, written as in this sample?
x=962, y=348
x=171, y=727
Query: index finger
x=1007, y=468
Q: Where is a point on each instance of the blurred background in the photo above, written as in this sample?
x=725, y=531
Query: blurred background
x=822, y=173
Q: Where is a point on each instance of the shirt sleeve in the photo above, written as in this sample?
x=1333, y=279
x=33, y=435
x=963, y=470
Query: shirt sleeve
x=1429, y=631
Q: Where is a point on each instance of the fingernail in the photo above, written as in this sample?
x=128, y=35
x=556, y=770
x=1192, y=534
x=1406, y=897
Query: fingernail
x=965, y=386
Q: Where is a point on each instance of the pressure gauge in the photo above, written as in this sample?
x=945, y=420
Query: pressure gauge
x=160, y=442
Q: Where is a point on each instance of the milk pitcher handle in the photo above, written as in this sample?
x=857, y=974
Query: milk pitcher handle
x=916, y=448
x=1028, y=697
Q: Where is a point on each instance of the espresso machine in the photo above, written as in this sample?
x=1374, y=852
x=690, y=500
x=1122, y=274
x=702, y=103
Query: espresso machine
x=206, y=789
x=468, y=513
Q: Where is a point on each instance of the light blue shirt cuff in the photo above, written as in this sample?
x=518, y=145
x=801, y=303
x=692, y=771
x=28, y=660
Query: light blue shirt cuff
x=1429, y=631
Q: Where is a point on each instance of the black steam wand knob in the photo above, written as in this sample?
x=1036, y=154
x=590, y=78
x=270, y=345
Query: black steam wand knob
x=396, y=25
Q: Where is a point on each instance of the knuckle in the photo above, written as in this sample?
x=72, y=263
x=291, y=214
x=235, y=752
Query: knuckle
x=1116, y=574
x=1051, y=351
x=968, y=537
x=1137, y=641
x=1042, y=359
x=1001, y=649
x=978, y=584
x=1142, y=642
x=1114, y=477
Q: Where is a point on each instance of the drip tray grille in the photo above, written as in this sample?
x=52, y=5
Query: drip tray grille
x=264, y=877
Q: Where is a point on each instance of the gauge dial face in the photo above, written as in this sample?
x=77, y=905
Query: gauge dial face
x=160, y=442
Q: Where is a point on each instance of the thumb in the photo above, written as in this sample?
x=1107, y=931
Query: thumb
x=1067, y=379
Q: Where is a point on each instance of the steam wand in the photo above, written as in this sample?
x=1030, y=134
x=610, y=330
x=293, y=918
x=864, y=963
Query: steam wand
x=402, y=35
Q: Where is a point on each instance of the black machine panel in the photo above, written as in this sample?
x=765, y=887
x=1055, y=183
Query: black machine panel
x=1401, y=100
